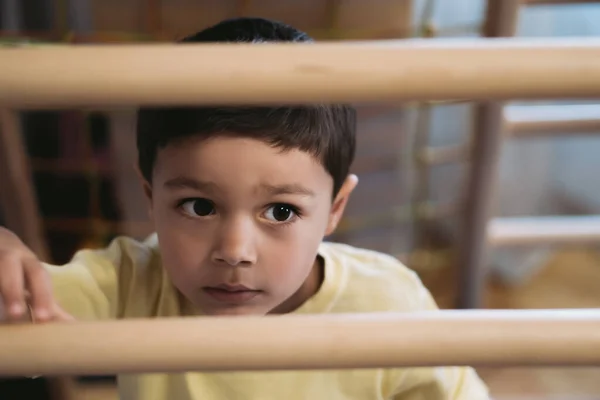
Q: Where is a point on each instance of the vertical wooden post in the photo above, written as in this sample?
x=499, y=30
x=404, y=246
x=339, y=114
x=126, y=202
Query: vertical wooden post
x=20, y=208
x=500, y=21
x=17, y=192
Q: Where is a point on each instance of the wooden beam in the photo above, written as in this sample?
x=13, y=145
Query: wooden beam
x=552, y=120
x=18, y=197
x=435, y=338
x=556, y=2
x=500, y=21
x=444, y=155
x=125, y=75
x=551, y=230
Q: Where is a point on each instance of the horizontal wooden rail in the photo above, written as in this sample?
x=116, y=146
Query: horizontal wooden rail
x=557, y=2
x=544, y=230
x=120, y=75
x=489, y=338
x=548, y=120
x=444, y=154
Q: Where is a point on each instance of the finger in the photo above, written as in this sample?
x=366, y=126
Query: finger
x=12, y=288
x=40, y=289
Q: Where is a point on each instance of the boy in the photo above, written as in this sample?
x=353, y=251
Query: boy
x=241, y=199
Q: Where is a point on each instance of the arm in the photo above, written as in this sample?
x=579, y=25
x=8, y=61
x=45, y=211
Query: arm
x=85, y=288
x=88, y=286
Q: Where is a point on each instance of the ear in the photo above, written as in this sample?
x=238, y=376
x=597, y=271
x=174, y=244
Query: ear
x=339, y=203
x=147, y=187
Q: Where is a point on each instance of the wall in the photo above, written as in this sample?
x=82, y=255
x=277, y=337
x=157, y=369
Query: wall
x=576, y=165
x=532, y=172
x=177, y=18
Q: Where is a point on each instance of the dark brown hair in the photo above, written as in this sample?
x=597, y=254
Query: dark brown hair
x=326, y=131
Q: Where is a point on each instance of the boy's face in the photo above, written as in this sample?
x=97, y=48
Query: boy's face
x=239, y=223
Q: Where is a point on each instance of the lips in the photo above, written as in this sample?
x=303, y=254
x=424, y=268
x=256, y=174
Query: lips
x=231, y=294
x=232, y=288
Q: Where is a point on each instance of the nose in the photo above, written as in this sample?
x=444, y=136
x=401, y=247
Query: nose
x=235, y=245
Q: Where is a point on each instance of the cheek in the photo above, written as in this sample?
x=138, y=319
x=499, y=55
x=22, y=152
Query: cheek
x=182, y=248
x=291, y=256
x=183, y=257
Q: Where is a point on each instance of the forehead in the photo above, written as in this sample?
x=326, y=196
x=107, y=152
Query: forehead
x=239, y=163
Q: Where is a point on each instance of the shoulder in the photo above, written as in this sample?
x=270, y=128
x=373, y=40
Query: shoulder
x=369, y=265
x=120, y=250
x=375, y=281
x=128, y=271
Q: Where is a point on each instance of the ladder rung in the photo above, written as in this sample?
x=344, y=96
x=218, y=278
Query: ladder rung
x=552, y=119
x=557, y=2
x=444, y=155
x=544, y=230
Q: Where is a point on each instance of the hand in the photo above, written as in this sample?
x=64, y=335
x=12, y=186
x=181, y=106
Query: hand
x=25, y=286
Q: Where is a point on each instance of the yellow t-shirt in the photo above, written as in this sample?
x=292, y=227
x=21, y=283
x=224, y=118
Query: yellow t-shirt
x=126, y=280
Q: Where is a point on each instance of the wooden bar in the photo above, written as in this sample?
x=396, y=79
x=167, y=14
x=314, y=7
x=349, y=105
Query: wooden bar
x=552, y=230
x=18, y=200
x=63, y=76
x=444, y=155
x=501, y=20
x=551, y=120
x=477, y=338
x=556, y=2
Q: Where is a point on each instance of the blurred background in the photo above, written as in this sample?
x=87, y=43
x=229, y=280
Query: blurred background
x=461, y=187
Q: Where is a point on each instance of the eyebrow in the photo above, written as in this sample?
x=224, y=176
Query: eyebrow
x=184, y=182
x=293, y=188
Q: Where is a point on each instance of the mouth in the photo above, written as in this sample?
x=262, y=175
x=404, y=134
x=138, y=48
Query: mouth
x=231, y=294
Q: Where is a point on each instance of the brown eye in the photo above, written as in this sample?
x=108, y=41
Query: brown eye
x=198, y=207
x=280, y=213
